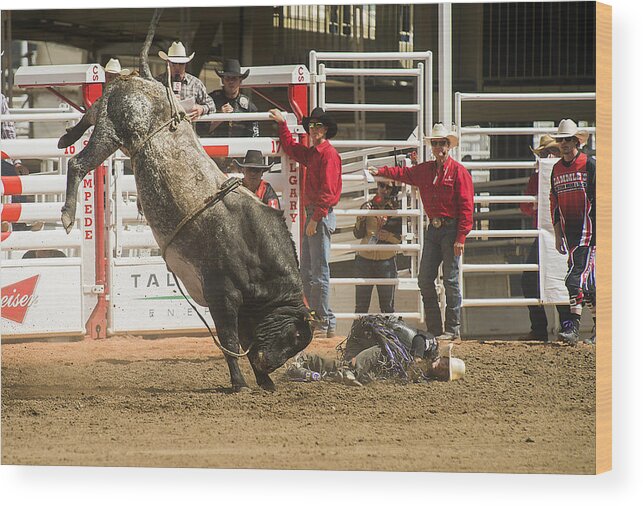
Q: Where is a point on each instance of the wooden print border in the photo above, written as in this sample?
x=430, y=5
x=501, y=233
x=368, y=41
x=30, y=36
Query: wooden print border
x=604, y=237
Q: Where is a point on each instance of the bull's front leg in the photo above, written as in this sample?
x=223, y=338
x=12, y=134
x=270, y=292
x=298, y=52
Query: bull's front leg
x=247, y=326
x=224, y=313
x=76, y=132
x=101, y=145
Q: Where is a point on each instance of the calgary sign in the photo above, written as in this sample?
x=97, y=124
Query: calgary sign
x=17, y=298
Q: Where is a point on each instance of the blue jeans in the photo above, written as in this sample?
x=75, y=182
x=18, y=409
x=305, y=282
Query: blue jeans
x=438, y=249
x=315, y=269
x=375, y=269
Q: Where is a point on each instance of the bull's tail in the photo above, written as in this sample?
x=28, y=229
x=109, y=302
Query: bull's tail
x=145, y=66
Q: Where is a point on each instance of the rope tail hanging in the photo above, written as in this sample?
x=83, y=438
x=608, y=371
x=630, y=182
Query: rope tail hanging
x=146, y=73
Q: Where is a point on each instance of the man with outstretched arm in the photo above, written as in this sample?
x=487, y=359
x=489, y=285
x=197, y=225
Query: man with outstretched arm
x=446, y=189
x=322, y=189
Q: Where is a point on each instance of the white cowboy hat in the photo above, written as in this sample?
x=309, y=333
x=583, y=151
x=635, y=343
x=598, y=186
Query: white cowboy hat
x=114, y=67
x=439, y=131
x=457, y=368
x=176, y=53
x=567, y=128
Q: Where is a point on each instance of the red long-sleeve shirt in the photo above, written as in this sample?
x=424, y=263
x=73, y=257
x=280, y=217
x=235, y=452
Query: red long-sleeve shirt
x=323, y=183
x=446, y=193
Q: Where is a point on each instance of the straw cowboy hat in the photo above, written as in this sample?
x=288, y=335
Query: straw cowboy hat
x=176, y=53
x=114, y=67
x=567, y=128
x=253, y=160
x=546, y=142
x=318, y=114
x=439, y=131
x=232, y=68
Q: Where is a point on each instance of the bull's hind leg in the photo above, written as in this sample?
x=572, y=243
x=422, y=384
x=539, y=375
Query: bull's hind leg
x=102, y=143
x=224, y=314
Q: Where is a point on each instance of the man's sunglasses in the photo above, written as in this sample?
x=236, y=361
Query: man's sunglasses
x=316, y=124
x=436, y=144
x=567, y=139
x=384, y=185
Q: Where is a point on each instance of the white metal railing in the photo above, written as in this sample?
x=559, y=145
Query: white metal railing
x=513, y=130
x=460, y=98
x=41, y=117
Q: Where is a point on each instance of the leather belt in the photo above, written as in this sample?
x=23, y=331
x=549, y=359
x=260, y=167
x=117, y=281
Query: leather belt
x=438, y=222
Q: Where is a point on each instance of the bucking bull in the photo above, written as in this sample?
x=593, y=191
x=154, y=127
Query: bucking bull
x=234, y=254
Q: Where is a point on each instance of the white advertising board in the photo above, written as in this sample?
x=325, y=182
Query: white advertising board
x=553, y=265
x=42, y=297
x=145, y=298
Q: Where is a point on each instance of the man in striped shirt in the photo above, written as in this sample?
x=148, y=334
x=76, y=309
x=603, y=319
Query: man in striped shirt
x=185, y=85
x=573, y=210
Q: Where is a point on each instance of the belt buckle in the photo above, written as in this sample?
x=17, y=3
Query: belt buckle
x=436, y=222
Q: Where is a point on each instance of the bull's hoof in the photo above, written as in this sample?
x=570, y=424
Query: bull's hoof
x=67, y=218
x=237, y=389
x=67, y=140
x=267, y=384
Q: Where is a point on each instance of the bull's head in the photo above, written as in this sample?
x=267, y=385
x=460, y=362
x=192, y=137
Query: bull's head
x=279, y=336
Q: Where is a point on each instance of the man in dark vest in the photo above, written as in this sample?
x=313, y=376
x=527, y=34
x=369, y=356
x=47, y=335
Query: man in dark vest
x=229, y=99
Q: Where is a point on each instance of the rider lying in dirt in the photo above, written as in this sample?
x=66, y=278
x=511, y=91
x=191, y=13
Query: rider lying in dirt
x=384, y=347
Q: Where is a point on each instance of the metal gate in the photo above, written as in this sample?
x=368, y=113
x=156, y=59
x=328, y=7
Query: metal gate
x=543, y=231
x=359, y=152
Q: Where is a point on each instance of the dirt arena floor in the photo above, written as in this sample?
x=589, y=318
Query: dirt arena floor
x=129, y=401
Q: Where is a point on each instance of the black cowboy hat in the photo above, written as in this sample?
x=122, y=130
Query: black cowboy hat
x=232, y=68
x=318, y=114
x=254, y=160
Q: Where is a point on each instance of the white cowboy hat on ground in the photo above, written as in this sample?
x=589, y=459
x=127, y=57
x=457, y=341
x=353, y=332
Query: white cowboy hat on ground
x=567, y=128
x=457, y=368
x=439, y=131
x=176, y=53
x=114, y=67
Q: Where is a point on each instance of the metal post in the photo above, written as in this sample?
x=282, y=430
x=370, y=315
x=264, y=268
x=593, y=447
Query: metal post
x=445, y=63
x=322, y=88
x=312, y=68
x=458, y=122
x=428, y=96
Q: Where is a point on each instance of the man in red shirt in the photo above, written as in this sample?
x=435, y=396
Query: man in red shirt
x=253, y=167
x=573, y=210
x=322, y=189
x=446, y=189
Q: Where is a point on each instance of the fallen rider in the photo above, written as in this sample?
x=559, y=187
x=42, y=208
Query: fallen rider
x=381, y=347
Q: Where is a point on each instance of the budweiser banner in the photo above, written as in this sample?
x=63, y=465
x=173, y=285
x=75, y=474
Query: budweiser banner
x=39, y=299
x=18, y=297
